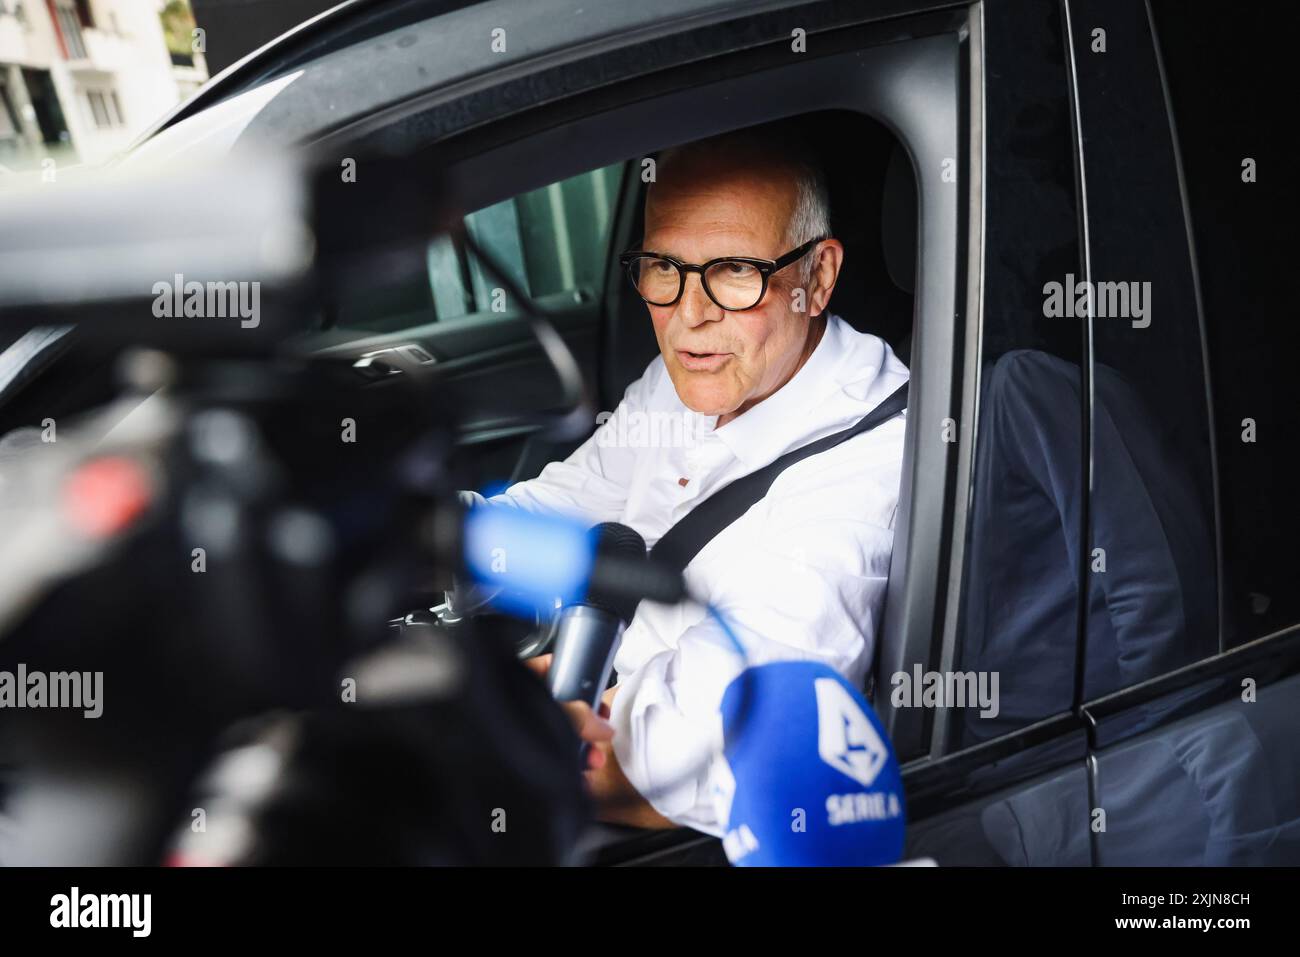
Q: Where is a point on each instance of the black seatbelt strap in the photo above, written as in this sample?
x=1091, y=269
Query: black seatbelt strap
x=700, y=525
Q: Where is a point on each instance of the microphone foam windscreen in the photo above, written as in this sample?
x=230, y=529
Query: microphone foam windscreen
x=613, y=540
x=808, y=776
x=620, y=555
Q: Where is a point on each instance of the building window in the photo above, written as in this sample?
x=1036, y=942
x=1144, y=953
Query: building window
x=178, y=29
x=69, y=24
x=105, y=108
x=97, y=112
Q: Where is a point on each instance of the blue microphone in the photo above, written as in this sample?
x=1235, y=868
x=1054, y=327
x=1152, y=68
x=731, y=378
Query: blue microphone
x=808, y=775
x=530, y=560
x=534, y=561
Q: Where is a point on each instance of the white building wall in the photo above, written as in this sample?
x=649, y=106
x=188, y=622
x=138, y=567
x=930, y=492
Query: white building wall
x=30, y=43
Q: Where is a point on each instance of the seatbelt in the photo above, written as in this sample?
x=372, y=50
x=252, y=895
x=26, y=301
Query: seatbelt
x=700, y=525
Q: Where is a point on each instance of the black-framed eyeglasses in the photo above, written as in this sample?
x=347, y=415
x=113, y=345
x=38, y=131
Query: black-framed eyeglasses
x=735, y=283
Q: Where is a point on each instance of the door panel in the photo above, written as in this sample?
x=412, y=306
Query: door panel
x=1020, y=800
x=1041, y=823
x=1220, y=788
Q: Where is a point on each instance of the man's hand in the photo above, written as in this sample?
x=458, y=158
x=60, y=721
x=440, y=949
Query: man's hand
x=591, y=727
x=617, y=801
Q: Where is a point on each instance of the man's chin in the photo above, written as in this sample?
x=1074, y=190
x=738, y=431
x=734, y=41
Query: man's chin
x=706, y=406
x=699, y=392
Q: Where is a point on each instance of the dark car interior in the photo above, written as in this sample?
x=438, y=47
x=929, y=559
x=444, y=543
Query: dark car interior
x=498, y=370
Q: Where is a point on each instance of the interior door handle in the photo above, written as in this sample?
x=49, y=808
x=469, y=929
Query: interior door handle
x=393, y=361
x=376, y=366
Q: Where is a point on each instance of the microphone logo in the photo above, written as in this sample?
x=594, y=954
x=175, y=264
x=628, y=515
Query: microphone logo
x=801, y=740
x=846, y=738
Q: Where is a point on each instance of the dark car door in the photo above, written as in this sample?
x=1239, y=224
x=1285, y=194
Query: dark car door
x=1195, y=759
x=1113, y=575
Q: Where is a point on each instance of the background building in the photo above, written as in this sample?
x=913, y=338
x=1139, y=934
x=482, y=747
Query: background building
x=80, y=79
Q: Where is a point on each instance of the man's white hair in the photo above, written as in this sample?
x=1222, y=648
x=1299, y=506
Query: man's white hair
x=811, y=216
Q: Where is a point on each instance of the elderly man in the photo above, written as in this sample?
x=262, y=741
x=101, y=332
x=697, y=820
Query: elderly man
x=736, y=268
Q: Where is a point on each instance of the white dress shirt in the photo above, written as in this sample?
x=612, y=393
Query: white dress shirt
x=801, y=575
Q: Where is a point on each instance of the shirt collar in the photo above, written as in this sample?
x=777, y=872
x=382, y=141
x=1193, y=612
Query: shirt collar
x=782, y=420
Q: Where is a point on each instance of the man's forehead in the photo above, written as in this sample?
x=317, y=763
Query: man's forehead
x=692, y=246
x=717, y=215
x=724, y=191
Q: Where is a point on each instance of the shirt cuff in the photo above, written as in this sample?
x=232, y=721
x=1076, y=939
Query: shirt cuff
x=668, y=756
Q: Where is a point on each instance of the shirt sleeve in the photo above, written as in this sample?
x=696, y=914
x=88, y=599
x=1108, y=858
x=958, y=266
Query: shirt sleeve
x=814, y=596
x=592, y=484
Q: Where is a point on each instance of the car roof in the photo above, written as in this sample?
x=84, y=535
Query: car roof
x=351, y=36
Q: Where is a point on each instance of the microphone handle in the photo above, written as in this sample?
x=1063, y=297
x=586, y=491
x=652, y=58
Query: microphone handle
x=586, y=641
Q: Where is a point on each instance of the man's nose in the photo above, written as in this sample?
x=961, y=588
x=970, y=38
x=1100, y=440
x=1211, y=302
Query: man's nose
x=695, y=307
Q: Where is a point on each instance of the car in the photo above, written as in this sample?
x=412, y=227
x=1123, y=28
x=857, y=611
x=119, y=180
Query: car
x=1061, y=216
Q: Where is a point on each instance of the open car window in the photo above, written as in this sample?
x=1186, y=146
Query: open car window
x=551, y=241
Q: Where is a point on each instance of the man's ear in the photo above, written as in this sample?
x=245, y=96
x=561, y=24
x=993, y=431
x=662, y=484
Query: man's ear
x=826, y=270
